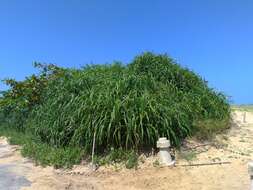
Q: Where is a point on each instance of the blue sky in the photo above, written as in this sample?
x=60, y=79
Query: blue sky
x=212, y=37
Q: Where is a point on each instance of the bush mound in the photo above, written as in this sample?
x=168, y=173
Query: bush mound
x=126, y=107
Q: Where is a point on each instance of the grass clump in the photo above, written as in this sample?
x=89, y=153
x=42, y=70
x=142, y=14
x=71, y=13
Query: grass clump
x=188, y=155
x=128, y=157
x=41, y=153
x=207, y=129
x=45, y=155
x=127, y=107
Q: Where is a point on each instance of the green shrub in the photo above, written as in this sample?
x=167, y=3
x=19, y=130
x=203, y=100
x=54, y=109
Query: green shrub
x=44, y=154
x=17, y=102
x=127, y=111
x=127, y=107
x=205, y=130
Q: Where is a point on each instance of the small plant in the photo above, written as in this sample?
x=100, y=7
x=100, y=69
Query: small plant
x=132, y=161
x=128, y=158
x=142, y=159
x=188, y=155
x=156, y=163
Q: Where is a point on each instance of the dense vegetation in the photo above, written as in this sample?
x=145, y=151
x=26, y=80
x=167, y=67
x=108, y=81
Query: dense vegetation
x=126, y=108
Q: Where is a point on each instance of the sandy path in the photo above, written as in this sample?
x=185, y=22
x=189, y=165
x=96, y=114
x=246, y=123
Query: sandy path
x=235, y=146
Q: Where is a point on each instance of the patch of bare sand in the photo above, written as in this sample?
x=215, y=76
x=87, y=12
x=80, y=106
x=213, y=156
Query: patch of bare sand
x=243, y=117
x=42, y=178
x=235, y=147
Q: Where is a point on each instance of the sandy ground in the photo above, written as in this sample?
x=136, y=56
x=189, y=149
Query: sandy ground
x=235, y=147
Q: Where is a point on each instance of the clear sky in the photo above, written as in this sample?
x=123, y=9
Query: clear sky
x=212, y=37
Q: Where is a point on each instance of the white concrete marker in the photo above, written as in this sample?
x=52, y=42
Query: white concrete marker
x=250, y=169
x=244, y=117
x=164, y=152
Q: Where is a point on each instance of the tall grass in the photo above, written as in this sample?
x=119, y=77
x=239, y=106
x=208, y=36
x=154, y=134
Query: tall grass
x=125, y=106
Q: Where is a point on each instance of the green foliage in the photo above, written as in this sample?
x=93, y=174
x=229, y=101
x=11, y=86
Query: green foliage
x=189, y=155
x=206, y=129
x=44, y=154
x=17, y=102
x=132, y=161
x=114, y=156
x=127, y=107
x=14, y=137
x=156, y=163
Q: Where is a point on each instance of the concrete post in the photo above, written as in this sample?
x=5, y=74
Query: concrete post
x=244, y=117
x=250, y=169
x=164, y=152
